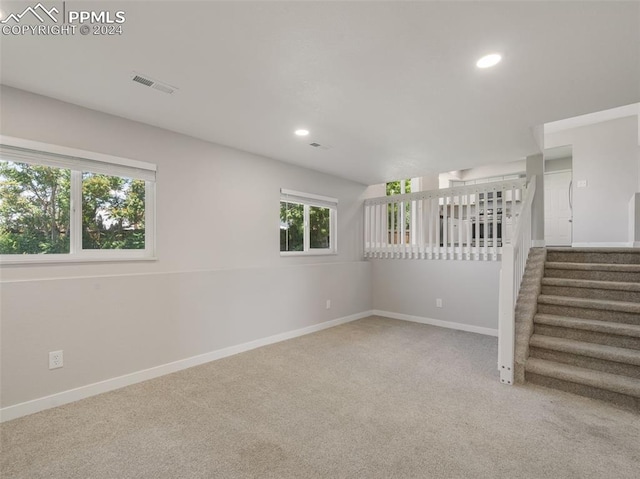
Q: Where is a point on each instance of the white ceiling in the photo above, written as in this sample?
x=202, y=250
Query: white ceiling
x=391, y=87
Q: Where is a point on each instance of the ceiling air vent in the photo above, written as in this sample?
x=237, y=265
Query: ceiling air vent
x=150, y=82
x=318, y=145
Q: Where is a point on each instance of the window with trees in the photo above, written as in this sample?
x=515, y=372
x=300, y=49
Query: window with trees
x=307, y=223
x=61, y=204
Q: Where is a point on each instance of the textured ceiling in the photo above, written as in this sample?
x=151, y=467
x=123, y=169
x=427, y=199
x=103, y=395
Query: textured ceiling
x=390, y=87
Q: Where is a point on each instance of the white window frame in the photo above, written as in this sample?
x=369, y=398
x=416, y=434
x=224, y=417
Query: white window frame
x=107, y=164
x=308, y=200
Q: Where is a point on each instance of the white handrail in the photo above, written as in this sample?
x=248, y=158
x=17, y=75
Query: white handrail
x=514, y=260
x=464, y=223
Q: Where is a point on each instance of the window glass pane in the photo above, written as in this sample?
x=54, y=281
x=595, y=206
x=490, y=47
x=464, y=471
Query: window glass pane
x=34, y=209
x=319, y=224
x=291, y=226
x=112, y=212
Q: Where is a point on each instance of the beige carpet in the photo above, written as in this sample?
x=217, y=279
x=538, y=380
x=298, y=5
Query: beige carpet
x=376, y=398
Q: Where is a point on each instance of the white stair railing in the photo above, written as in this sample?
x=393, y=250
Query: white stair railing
x=462, y=223
x=514, y=260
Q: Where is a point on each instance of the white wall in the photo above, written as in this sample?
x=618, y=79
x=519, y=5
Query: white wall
x=481, y=172
x=219, y=280
x=498, y=169
x=634, y=220
x=422, y=183
x=606, y=155
x=429, y=182
x=535, y=167
x=468, y=289
x=559, y=164
x=375, y=191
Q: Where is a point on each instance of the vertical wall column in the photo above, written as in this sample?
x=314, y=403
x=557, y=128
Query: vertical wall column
x=535, y=167
x=428, y=182
x=634, y=220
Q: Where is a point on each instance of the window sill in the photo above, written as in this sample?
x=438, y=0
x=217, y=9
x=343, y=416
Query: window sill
x=39, y=260
x=308, y=253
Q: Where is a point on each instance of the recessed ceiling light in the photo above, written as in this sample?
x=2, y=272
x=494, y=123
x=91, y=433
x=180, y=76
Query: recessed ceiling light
x=302, y=132
x=489, y=60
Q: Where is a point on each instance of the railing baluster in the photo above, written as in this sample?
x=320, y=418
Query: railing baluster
x=382, y=229
x=374, y=238
x=445, y=227
x=402, y=227
x=460, y=227
x=429, y=212
x=420, y=230
x=367, y=230
x=376, y=223
x=464, y=227
x=496, y=237
x=475, y=227
x=437, y=232
x=435, y=224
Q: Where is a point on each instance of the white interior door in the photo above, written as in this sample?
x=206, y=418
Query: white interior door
x=557, y=208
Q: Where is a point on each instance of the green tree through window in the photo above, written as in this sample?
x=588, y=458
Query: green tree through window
x=34, y=209
x=291, y=227
x=112, y=212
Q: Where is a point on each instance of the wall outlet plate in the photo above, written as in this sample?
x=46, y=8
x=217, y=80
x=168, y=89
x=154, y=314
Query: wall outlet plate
x=439, y=303
x=581, y=184
x=55, y=359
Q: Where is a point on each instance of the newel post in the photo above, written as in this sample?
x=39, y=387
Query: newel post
x=506, y=316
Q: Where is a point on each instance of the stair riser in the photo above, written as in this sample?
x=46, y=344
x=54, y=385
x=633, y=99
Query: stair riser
x=622, y=276
x=587, y=362
x=592, y=293
x=588, y=336
x=593, y=257
x=584, y=313
x=628, y=402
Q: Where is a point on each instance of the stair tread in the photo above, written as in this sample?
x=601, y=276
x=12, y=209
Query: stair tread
x=592, y=284
x=608, y=327
x=630, y=268
x=586, y=249
x=593, y=350
x=588, y=377
x=604, y=304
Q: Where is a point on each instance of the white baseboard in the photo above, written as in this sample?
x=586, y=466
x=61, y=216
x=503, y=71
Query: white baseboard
x=36, y=405
x=437, y=322
x=538, y=243
x=604, y=244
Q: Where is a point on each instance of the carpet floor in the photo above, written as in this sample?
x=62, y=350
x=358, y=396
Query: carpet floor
x=375, y=398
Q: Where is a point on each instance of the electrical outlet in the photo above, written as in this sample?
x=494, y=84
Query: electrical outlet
x=439, y=303
x=581, y=184
x=55, y=360
x=328, y=304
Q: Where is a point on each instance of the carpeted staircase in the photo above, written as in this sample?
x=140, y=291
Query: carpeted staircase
x=586, y=337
